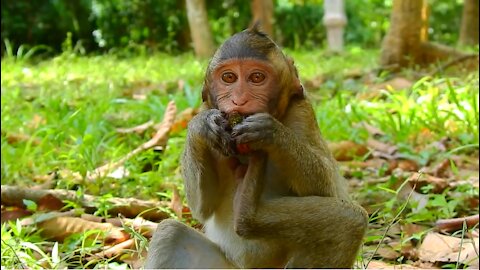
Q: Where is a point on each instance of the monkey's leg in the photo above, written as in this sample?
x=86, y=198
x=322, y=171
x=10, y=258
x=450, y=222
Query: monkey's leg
x=175, y=245
x=321, y=231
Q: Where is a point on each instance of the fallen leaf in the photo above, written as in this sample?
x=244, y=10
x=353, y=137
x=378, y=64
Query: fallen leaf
x=407, y=165
x=14, y=213
x=384, y=265
x=115, y=250
x=420, y=180
x=388, y=253
x=60, y=227
x=410, y=229
x=347, y=150
x=381, y=146
x=442, y=248
x=440, y=170
x=49, y=203
x=14, y=138
x=455, y=224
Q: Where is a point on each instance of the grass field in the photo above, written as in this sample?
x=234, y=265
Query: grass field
x=62, y=114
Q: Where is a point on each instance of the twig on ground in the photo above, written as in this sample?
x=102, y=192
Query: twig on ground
x=128, y=207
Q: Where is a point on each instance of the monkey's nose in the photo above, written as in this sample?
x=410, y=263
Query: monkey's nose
x=239, y=102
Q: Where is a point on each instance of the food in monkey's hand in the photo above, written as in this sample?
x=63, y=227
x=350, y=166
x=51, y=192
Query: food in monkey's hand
x=234, y=119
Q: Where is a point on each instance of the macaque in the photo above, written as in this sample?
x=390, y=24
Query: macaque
x=258, y=174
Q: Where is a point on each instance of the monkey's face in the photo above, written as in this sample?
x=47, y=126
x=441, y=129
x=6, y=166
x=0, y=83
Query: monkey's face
x=246, y=86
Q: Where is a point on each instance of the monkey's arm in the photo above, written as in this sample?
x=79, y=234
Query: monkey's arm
x=206, y=137
x=296, y=147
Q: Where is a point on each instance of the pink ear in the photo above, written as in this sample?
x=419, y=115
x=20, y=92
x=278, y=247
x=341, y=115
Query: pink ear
x=297, y=88
x=204, y=92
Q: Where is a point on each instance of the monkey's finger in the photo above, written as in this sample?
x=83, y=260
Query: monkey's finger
x=248, y=138
x=248, y=127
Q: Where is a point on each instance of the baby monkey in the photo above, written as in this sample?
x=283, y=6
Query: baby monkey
x=258, y=174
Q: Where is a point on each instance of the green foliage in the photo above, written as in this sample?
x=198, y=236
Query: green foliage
x=45, y=22
x=299, y=26
x=142, y=26
x=125, y=23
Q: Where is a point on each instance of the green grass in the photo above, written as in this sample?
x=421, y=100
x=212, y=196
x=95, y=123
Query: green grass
x=72, y=105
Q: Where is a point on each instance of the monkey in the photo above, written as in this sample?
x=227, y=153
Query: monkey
x=264, y=185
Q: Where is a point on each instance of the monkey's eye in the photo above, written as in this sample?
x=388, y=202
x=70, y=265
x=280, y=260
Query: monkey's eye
x=256, y=77
x=229, y=77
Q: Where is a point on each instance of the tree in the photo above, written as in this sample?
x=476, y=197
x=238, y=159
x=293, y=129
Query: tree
x=199, y=28
x=262, y=11
x=406, y=42
x=469, y=27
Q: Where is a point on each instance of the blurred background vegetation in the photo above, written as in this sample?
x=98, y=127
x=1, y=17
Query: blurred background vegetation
x=98, y=26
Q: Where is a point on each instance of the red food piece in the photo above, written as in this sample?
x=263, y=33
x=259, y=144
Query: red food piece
x=243, y=148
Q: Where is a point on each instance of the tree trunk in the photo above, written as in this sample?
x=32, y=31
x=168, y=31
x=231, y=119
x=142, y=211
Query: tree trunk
x=406, y=42
x=262, y=11
x=408, y=29
x=469, y=28
x=199, y=28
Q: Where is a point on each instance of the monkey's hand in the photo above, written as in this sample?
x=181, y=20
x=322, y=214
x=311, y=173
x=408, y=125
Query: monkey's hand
x=211, y=127
x=256, y=131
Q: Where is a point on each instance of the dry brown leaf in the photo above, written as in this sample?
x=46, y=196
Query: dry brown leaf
x=407, y=165
x=440, y=170
x=388, y=253
x=116, y=250
x=410, y=229
x=347, y=150
x=14, y=138
x=442, y=248
x=49, y=203
x=384, y=265
x=141, y=225
x=381, y=146
x=14, y=213
x=455, y=224
x=375, y=163
x=420, y=180
x=60, y=227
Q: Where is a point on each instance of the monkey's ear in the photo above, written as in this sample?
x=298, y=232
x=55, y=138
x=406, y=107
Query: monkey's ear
x=298, y=89
x=205, y=91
